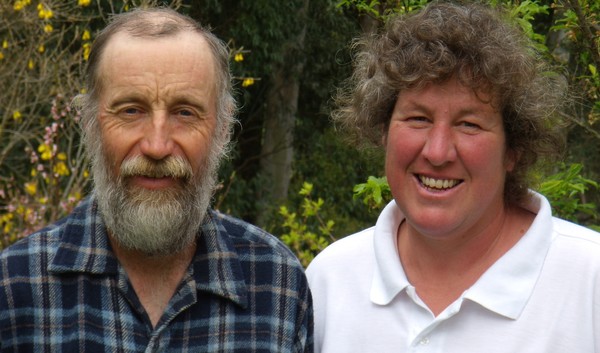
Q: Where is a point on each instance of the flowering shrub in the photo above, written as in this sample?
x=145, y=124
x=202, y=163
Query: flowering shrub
x=55, y=182
x=42, y=169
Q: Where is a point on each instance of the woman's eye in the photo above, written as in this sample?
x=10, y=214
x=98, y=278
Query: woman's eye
x=469, y=124
x=417, y=120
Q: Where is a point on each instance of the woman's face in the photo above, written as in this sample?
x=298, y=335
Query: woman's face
x=446, y=160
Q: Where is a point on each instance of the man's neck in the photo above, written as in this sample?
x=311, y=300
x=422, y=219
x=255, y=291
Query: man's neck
x=154, y=278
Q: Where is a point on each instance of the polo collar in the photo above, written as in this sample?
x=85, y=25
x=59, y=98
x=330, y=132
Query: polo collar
x=504, y=288
x=389, y=278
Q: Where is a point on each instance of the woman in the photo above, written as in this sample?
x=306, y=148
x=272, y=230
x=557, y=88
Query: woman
x=465, y=258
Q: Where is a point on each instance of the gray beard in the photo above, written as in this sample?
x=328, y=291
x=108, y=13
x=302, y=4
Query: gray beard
x=154, y=222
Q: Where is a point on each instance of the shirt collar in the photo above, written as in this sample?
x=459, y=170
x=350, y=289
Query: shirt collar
x=389, y=277
x=84, y=247
x=217, y=267
x=504, y=288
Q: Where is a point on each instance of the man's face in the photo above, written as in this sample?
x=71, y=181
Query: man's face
x=157, y=118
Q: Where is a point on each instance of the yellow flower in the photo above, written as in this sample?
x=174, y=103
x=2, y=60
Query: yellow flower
x=84, y=2
x=48, y=28
x=248, y=82
x=31, y=188
x=45, y=152
x=86, y=174
x=33, y=173
x=87, y=47
x=18, y=6
x=61, y=169
x=86, y=35
x=17, y=115
x=1, y=55
x=43, y=13
x=30, y=64
x=41, y=48
x=5, y=44
x=61, y=156
x=238, y=57
x=43, y=200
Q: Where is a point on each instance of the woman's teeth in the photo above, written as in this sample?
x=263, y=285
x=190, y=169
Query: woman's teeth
x=438, y=183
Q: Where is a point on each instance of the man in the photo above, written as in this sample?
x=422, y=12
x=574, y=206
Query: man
x=143, y=264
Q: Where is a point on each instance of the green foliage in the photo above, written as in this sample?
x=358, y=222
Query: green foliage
x=524, y=13
x=566, y=192
x=375, y=193
x=306, y=232
x=382, y=10
x=580, y=22
x=363, y=6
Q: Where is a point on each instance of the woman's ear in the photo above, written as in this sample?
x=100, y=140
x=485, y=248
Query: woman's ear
x=511, y=159
x=384, y=134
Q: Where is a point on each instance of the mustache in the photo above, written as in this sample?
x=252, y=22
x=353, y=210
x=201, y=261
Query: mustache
x=172, y=166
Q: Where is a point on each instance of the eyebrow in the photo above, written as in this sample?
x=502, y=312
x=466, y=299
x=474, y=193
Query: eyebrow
x=411, y=105
x=134, y=97
x=184, y=100
x=127, y=98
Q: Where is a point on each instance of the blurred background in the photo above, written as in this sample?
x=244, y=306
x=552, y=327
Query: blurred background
x=290, y=171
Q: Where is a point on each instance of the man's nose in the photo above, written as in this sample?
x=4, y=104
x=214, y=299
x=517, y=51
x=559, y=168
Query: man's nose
x=157, y=142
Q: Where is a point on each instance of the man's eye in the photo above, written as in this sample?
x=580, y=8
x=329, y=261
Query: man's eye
x=185, y=113
x=131, y=111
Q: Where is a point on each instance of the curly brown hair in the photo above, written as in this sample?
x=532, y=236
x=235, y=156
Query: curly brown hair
x=481, y=47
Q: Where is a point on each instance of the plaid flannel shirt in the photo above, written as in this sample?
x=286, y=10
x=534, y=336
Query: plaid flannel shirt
x=63, y=290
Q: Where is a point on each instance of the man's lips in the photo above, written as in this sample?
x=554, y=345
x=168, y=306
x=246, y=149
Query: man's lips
x=152, y=182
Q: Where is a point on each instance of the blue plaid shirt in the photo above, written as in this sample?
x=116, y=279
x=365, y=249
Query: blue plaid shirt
x=63, y=290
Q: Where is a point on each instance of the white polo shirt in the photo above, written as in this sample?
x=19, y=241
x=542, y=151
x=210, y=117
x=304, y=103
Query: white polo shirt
x=542, y=296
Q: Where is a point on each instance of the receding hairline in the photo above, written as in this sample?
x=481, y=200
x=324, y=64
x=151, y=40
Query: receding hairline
x=153, y=23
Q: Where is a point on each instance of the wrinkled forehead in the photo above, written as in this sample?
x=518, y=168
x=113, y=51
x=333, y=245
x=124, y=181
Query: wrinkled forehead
x=184, y=50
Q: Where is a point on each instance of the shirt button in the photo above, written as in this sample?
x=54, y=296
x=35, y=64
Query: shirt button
x=424, y=341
